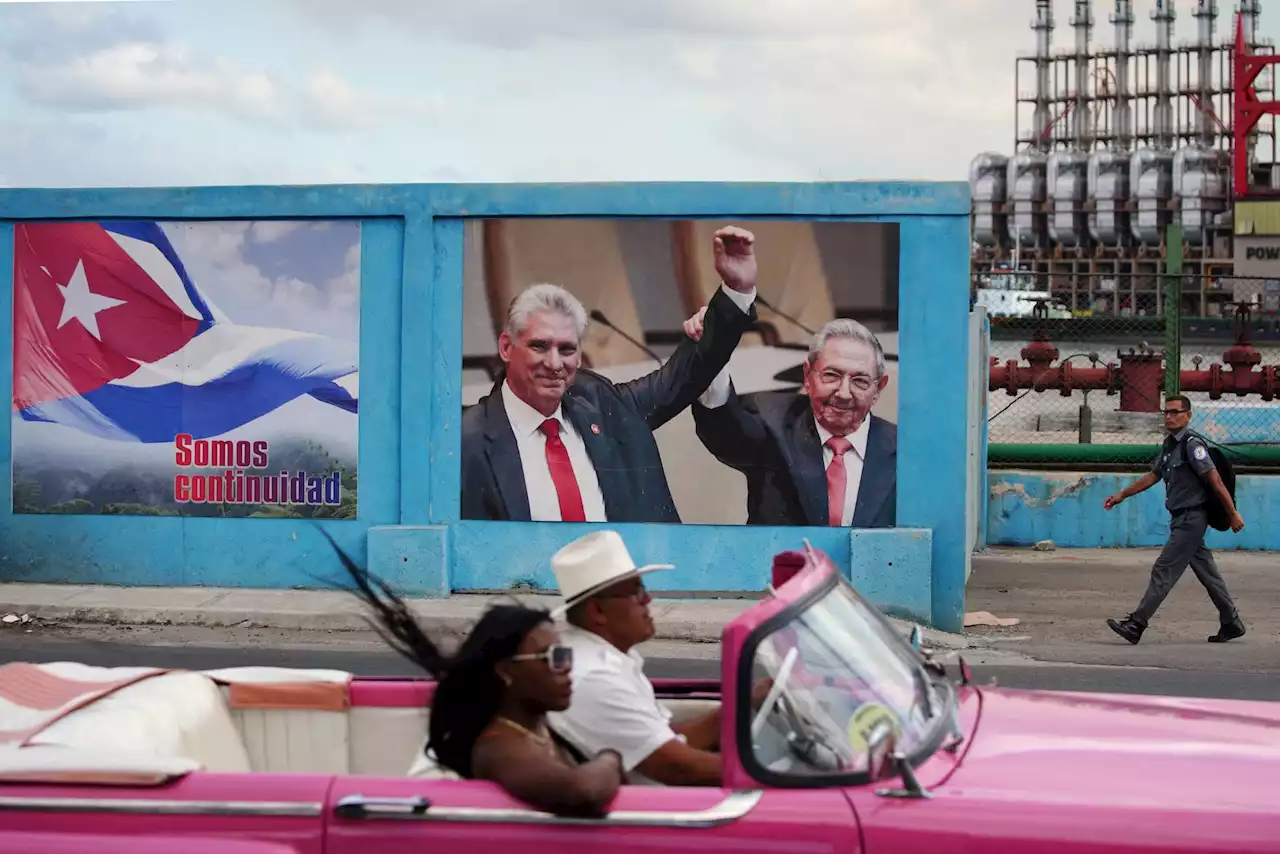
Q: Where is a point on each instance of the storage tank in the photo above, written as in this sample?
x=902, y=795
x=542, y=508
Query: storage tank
x=989, y=187
x=1027, y=178
x=1067, y=180
x=1108, y=186
x=1151, y=182
x=1199, y=175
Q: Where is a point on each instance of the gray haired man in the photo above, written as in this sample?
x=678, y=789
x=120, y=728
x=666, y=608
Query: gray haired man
x=554, y=441
x=816, y=457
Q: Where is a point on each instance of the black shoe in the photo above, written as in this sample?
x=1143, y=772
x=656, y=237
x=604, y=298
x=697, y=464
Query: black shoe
x=1228, y=631
x=1128, y=628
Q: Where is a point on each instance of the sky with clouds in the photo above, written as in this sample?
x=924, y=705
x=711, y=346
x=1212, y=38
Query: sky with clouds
x=165, y=92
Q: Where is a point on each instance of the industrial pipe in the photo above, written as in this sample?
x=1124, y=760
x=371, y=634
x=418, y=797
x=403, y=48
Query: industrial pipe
x=1139, y=377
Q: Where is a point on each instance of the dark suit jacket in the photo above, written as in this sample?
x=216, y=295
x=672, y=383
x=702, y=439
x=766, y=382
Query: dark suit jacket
x=771, y=438
x=624, y=451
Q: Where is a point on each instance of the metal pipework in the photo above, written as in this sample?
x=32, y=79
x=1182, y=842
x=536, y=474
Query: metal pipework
x=1250, y=11
x=1139, y=377
x=1043, y=28
x=1123, y=20
x=1205, y=14
x=1082, y=21
x=1164, y=15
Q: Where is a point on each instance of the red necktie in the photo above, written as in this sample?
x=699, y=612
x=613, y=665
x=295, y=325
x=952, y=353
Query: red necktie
x=562, y=474
x=837, y=479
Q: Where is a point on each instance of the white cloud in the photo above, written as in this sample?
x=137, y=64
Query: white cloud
x=214, y=254
x=109, y=63
x=133, y=75
x=330, y=101
x=271, y=230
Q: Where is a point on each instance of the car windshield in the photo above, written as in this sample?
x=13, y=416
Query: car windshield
x=838, y=670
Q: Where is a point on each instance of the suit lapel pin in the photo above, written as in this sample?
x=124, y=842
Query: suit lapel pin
x=595, y=428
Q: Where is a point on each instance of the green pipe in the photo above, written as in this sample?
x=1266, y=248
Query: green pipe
x=1012, y=452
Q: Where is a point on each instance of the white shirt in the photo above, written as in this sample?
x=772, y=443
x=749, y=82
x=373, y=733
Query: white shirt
x=614, y=705
x=717, y=395
x=544, y=503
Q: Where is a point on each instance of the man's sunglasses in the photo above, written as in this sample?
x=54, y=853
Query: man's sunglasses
x=558, y=658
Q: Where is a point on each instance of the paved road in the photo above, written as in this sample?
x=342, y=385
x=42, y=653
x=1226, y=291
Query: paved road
x=368, y=659
x=1063, y=599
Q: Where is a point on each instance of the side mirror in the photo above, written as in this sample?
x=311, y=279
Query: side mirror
x=882, y=747
x=884, y=761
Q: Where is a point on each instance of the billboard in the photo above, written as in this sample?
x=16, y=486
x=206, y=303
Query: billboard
x=186, y=368
x=693, y=371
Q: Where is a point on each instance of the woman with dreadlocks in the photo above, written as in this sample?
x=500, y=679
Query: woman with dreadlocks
x=491, y=700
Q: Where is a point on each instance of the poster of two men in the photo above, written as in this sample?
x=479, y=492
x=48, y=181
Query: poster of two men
x=686, y=371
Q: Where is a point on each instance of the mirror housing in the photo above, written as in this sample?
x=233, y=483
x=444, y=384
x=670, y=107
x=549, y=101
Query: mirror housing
x=882, y=749
x=884, y=761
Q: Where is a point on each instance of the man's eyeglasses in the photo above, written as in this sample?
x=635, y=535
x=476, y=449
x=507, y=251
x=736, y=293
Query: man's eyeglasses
x=638, y=594
x=859, y=382
x=558, y=658
x=1175, y=411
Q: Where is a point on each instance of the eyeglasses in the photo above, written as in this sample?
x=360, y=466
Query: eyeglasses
x=638, y=594
x=1175, y=411
x=558, y=658
x=859, y=382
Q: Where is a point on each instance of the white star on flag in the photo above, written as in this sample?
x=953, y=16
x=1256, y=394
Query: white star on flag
x=83, y=304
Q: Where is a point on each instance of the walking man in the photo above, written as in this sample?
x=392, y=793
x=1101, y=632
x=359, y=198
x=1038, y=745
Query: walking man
x=1188, y=473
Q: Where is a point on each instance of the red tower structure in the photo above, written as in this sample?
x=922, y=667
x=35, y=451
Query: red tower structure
x=1246, y=105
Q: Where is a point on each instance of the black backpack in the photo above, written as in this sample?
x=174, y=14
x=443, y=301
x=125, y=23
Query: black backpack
x=1219, y=517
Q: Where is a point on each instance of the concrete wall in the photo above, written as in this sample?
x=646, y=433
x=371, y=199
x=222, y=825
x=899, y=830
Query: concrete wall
x=1025, y=507
x=411, y=321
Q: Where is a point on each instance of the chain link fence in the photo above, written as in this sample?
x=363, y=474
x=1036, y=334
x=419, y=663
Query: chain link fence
x=1082, y=382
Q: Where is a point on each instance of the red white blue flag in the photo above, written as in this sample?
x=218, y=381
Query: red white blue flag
x=111, y=337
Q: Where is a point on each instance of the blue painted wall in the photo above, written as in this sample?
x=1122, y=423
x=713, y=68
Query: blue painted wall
x=1025, y=507
x=410, y=385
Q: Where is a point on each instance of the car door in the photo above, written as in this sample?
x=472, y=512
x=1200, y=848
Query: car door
x=405, y=816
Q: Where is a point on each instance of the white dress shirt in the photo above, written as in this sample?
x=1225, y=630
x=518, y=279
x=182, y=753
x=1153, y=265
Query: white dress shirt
x=544, y=502
x=614, y=705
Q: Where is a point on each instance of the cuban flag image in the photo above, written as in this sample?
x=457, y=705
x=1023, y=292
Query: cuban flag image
x=114, y=339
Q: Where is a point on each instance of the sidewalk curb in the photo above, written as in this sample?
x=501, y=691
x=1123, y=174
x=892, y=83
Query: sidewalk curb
x=1028, y=556
x=434, y=614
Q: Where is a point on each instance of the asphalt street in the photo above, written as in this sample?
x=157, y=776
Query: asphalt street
x=694, y=661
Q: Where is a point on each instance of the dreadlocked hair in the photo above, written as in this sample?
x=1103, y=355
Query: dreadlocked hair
x=468, y=690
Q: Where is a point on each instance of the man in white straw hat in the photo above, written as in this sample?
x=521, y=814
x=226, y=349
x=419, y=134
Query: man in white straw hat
x=614, y=705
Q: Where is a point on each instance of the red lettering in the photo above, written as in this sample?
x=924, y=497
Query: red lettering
x=182, y=442
x=259, y=455
x=202, y=454
x=215, y=490
x=197, y=487
x=221, y=452
x=182, y=488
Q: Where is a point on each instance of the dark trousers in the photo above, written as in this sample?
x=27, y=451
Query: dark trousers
x=1185, y=548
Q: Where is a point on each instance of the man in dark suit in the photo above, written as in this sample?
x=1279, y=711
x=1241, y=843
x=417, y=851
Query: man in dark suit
x=817, y=457
x=553, y=442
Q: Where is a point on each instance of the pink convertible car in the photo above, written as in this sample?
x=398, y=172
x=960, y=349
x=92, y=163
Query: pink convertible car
x=863, y=746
